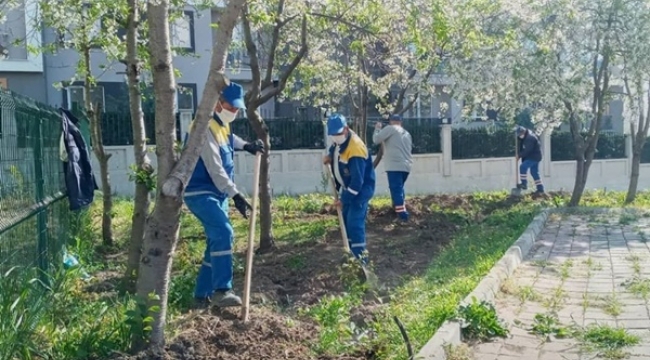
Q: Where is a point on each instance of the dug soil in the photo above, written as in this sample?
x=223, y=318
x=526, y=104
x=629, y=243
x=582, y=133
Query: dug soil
x=298, y=275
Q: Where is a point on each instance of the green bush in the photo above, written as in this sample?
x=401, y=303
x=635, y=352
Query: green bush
x=610, y=146
x=482, y=143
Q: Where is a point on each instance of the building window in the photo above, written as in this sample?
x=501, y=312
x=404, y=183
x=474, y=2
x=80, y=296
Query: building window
x=185, y=97
x=182, y=32
x=76, y=98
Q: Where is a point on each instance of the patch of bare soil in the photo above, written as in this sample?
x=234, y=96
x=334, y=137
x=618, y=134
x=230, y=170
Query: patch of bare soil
x=300, y=274
x=221, y=336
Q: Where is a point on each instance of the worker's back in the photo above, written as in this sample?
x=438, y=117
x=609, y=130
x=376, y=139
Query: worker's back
x=397, y=149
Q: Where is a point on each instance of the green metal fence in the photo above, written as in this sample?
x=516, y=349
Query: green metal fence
x=33, y=206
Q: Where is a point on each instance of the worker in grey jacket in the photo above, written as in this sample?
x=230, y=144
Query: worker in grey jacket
x=398, y=145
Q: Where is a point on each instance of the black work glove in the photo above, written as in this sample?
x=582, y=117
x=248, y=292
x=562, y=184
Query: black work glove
x=242, y=205
x=255, y=147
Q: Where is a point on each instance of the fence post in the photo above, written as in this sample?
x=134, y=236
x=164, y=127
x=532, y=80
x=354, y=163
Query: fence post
x=41, y=216
x=445, y=142
x=546, y=148
x=628, y=153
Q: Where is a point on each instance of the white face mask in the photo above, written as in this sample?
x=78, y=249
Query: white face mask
x=226, y=116
x=338, y=139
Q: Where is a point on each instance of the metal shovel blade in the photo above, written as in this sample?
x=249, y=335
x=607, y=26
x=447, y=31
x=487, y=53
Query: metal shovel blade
x=515, y=192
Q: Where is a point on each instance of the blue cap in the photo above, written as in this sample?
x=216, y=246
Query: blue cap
x=395, y=117
x=336, y=123
x=233, y=94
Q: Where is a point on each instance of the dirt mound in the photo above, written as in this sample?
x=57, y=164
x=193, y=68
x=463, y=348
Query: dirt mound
x=223, y=337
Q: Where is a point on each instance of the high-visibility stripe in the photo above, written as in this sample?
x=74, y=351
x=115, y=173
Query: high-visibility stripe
x=400, y=208
x=220, y=253
x=205, y=263
x=353, y=192
x=358, y=245
x=538, y=182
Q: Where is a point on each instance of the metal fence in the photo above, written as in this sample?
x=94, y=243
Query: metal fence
x=33, y=205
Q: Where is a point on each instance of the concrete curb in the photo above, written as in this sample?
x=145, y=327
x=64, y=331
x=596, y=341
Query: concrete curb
x=449, y=333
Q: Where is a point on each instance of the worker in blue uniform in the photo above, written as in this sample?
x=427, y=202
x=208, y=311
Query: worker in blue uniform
x=530, y=153
x=208, y=191
x=354, y=176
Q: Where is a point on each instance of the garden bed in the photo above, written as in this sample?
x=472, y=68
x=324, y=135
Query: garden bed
x=304, y=308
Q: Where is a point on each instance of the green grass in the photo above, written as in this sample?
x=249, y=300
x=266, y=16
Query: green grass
x=69, y=323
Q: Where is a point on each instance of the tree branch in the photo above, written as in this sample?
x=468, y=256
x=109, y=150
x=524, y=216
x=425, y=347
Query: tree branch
x=282, y=83
x=275, y=39
x=347, y=23
x=251, y=47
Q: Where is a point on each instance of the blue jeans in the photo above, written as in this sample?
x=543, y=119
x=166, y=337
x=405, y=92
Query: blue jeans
x=533, y=166
x=396, y=180
x=216, y=270
x=354, y=218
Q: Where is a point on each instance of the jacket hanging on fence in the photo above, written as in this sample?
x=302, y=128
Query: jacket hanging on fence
x=79, y=178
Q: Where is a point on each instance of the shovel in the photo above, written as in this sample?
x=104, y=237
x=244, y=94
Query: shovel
x=516, y=191
x=368, y=277
x=251, y=240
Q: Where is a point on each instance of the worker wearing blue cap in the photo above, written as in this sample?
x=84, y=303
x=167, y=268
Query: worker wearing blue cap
x=354, y=173
x=207, y=194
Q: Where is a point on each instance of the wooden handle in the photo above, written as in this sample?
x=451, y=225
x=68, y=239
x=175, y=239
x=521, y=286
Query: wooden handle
x=516, y=157
x=251, y=239
x=344, y=233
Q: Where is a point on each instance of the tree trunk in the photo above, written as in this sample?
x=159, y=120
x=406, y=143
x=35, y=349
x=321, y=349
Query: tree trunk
x=267, y=241
x=580, y=182
x=142, y=200
x=161, y=232
x=94, y=116
x=634, y=176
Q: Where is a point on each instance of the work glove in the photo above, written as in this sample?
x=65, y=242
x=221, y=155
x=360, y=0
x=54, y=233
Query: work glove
x=255, y=147
x=242, y=205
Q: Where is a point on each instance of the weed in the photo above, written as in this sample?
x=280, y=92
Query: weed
x=458, y=352
x=585, y=302
x=555, y=300
x=607, y=341
x=479, y=321
x=627, y=218
x=541, y=263
x=564, y=269
x=612, y=305
x=592, y=265
x=527, y=293
x=636, y=266
x=545, y=325
x=638, y=286
x=295, y=262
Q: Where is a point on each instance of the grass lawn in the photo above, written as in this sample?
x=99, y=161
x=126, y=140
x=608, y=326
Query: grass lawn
x=306, y=302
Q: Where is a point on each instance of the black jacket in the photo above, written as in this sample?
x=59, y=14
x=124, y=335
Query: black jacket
x=530, y=148
x=79, y=178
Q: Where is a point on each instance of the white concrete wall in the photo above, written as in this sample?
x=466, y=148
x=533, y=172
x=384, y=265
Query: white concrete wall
x=300, y=172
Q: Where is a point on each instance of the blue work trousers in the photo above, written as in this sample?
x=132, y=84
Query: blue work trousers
x=216, y=270
x=354, y=218
x=396, y=181
x=533, y=166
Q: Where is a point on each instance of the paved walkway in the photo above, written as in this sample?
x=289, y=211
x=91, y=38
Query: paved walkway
x=585, y=272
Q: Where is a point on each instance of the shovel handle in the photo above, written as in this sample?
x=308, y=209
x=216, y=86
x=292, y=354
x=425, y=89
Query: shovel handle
x=251, y=239
x=344, y=233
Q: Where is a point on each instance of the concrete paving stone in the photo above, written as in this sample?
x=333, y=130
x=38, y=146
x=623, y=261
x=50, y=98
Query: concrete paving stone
x=521, y=352
x=640, y=350
x=488, y=348
x=521, y=341
x=588, y=322
x=563, y=347
x=483, y=356
x=552, y=355
x=632, y=312
x=634, y=357
x=634, y=324
x=575, y=284
x=596, y=313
